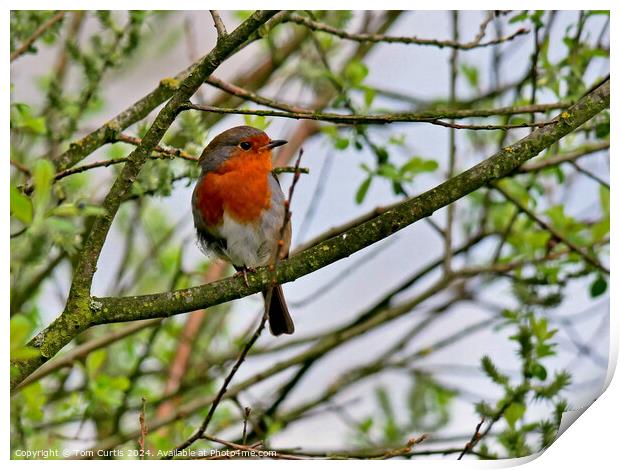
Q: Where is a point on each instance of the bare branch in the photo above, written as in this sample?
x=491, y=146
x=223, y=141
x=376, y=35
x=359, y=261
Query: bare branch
x=84, y=146
x=278, y=254
x=219, y=25
x=472, y=442
x=40, y=31
x=317, y=26
x=589, y=174
x=585, y=149
x=447, y=233
x=79, y=294
x=355, y=119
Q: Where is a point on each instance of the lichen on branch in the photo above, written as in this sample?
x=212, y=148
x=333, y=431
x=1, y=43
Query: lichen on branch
x=85, y=311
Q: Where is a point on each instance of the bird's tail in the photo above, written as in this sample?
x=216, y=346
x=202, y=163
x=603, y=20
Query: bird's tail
x=280, y=321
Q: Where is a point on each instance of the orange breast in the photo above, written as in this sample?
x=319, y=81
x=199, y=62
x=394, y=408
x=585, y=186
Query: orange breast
x=239, y=187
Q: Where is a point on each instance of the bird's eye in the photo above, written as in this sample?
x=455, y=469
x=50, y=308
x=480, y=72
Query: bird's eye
x=245, y=145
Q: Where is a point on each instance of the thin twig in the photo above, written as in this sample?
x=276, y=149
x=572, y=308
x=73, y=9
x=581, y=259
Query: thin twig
x=473, y=441
x=162, y=153
x=589, y=174
x=40, y=31
x=555, y=160
x=251, y=448
x=200, y=433
x=219, y=25
x=317, y=26
x=460, y=113
x=86, y=348
x=143, y=429
x=246, y=415
x=552, y=230
x=447, y=233
x=21, y=167
x=355, y=119
x=371, y=454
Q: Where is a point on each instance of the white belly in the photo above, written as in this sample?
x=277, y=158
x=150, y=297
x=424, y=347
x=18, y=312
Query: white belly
x=247, y=245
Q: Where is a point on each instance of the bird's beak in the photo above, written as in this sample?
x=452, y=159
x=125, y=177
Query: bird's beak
x=274, y=144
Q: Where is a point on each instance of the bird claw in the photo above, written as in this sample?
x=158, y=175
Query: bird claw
x=244, y=272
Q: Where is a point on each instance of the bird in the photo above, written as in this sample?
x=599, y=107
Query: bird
x=239, y=209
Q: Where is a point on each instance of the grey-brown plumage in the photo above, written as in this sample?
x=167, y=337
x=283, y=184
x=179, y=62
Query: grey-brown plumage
x=245, y=244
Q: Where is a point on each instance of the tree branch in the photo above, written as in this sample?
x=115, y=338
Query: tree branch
x=40, y=31
x=139, y=110
x=219, y=24
x=552, y=230
x=106, y=310
x=317, y=26
x=586, y=149
x=431, y=117
x=501, y=164
x=85, y=349
x=355, y=119
x=334, y=340
x=75, y=318
x=447, y=233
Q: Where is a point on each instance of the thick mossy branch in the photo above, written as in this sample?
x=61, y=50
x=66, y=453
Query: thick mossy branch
x=78, y=313
x=136, y=159
x=503, y=163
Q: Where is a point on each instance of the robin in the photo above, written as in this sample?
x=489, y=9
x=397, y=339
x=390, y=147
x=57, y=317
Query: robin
x=238, y=209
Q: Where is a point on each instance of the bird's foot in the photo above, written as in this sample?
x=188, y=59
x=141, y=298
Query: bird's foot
x=244, y=272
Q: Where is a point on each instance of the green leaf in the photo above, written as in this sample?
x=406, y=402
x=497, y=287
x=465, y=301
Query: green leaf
x=491, y=370
x=598, y=287
x=34, y=401
x=355, y=72
x=520, y=17
x=95, y=360
x=365, y=425
x=20, y=327
x=24, y=353
x=544, y=350
x=331, y=131
x=369, y=96
x=21, y=206
x=72, y=210
x=93, y=211
x=604, y=198
x=539, y=327
x=536, y=17
x=471, y=74
x=362, y=190
x=557, y=216
x=260, y=122
x=119, y=383
x=388, y=171
x=602, y=130
x=419, y=165
x=43, y=175
x=514, y=413
x=25, y=120
x=382, y=154
x=600, y=230
x=66, y=210
x=539, y=371
x=341, y=143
